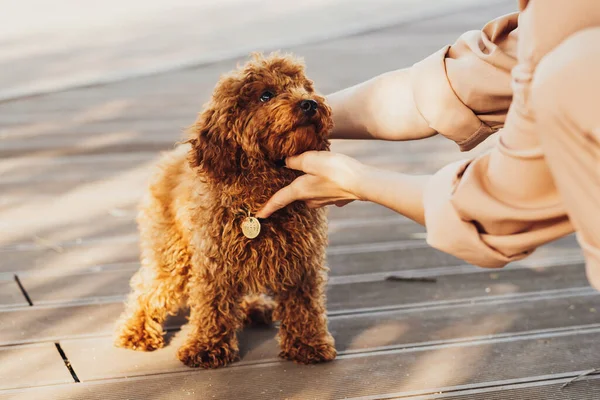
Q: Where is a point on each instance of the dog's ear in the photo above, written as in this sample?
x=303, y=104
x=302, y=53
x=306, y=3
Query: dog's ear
x=213, y=152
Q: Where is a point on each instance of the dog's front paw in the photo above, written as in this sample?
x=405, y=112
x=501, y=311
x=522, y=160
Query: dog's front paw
x=139, y=338
x=196, y=355
x=309, y=353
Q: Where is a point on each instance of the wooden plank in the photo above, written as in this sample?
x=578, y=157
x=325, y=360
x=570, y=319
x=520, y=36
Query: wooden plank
x=89, y=202
x=56, y=180
x=10, y=294
x=16, y=171
x=393, y=373
x=39, y=323
x=33, y=365
x=97, y=358
x=97, y=140
x=98, y=216
x=586, y=388
x=352, y=253
x=117, y=225
x=35, y=324
x=364, y=291
x=62, y=320
x=68, y=260
x=57, y=185
x=122, y=229
x=368, y=295
x=111, y=222
x=50, y=324
x=50, y=289
x=155, y=139
x=343, y=260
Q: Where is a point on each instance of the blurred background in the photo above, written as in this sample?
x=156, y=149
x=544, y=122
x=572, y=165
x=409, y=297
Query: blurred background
x=49, y=45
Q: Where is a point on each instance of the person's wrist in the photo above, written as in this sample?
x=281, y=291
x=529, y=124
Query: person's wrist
x=362, y=175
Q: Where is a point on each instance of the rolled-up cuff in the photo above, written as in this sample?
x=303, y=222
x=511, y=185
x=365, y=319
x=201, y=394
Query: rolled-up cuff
x=447, y=231
x=440, y=106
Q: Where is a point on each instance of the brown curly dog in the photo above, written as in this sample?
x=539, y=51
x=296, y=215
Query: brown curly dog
x=194, y=252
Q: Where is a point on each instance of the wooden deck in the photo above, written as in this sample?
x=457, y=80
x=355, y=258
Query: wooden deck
x=73, y=165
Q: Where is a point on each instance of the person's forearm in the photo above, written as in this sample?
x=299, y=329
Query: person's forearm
x=380, y=108
x=399, y=192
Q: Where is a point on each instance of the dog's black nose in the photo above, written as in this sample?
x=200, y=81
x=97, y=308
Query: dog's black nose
x=309, y=107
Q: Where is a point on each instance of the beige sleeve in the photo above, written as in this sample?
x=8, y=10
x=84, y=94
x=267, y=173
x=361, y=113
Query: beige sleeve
x=502, y=205
x=463, y=91
x=491, y=211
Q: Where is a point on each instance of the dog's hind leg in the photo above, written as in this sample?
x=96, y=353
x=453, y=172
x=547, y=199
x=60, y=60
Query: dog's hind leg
x=159, y=289
x=153, y=299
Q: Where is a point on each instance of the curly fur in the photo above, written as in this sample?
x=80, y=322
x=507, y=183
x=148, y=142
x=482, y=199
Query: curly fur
x=192, y=249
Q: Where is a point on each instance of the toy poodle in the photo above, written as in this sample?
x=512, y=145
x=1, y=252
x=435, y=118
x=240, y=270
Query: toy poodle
x=201, y=247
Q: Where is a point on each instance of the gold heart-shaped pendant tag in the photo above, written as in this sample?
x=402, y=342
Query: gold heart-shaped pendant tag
x=250, y=227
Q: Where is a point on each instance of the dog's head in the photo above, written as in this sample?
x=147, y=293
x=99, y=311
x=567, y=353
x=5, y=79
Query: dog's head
x=264, y=111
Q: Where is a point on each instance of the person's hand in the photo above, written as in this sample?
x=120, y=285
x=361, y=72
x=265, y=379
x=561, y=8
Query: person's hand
x=330, y=178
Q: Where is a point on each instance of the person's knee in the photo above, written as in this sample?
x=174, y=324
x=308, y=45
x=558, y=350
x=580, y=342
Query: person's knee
x=567, y=76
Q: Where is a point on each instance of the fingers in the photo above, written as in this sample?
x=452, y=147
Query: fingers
x=311, y=162
x=316, y=187
x=279, y=200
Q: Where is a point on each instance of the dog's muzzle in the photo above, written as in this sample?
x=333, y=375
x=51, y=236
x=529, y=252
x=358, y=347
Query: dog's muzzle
x=309, y=107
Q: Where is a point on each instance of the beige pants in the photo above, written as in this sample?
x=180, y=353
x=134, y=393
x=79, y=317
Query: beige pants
x=565, y=99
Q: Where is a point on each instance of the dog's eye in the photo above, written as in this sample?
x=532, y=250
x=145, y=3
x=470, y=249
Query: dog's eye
x=266, y=96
